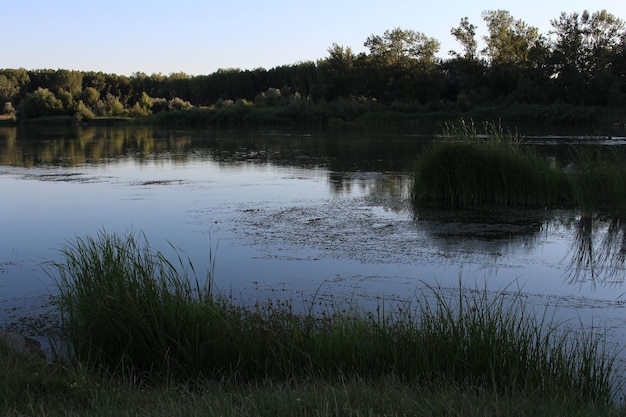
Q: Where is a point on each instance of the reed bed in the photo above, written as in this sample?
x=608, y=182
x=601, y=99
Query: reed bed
x=468, y=168
x=598, y=180
x=471, y=168
x=127, y=310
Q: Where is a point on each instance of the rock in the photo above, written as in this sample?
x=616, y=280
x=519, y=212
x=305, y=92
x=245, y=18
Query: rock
x=21, y=344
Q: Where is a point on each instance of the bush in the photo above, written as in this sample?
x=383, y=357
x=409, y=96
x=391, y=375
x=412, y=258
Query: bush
x=40, y=103
x=8, y=109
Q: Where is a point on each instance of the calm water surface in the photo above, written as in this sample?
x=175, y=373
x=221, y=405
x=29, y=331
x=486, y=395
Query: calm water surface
x=290, y=214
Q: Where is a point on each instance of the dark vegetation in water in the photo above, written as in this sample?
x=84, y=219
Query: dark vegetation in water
x=494, y=167
x=129, y=311
x=573, y=75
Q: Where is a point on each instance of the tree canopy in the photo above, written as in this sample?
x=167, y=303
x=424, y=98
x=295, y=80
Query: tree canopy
x=581, y=61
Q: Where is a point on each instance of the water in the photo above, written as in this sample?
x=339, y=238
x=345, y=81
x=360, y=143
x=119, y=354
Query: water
x=289, y=214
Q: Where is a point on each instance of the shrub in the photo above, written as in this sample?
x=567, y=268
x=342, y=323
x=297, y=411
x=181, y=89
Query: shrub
x=40, y=103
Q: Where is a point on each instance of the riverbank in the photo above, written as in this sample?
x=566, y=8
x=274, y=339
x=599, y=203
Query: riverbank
x=467, y=353
x=34, y=387
x=594, y=120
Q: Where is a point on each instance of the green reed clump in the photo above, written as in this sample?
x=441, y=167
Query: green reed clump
x=127, y=309
x=598, y=180
x=472, y=169
x=126, y=306
x=499, y=343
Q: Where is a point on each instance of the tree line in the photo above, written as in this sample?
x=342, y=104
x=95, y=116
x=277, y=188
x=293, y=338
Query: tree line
x=581, y=61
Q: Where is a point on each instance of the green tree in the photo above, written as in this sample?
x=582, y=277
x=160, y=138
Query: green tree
x=42, y=102
x=340, y=58
x=70, y=81
x=8, y=88
x=509, y=40
x=90, y=96
x=143, y=106
x=465, y=34
x=401, y=66
x=7, y=108
x=511, y=46
x=337, y=72
x=399, y=46
x=67, y=100
x=585, y=50
x=95, y=80
x=586, y=42
x=17, y=78
x=178, y=85
x=110, y=106
x=83, y=112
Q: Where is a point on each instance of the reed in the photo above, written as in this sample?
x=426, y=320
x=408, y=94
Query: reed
x=125, y=306
x=468, y=168
x=598, y=180
x=126, y=310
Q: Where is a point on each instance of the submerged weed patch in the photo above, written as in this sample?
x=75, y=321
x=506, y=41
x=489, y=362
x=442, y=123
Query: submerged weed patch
x=126, y=309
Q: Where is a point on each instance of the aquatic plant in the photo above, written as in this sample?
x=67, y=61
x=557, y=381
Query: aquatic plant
x=468, y=168
x=126, y=309
x=125, y=305
x=598, y=180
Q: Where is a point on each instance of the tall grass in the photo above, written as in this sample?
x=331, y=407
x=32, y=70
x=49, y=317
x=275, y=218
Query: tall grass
x=126, y=306
x=494, y=167
x=469, y=168
x=599, y=180
x=126, y=309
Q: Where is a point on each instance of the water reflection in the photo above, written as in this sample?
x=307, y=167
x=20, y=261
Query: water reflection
x=494, y=231
x=357, y=162
x=31, y=146
x=598, y=252
x=382, y=185
x=338, y=151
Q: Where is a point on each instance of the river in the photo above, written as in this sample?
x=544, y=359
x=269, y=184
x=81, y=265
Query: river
x=291, y=214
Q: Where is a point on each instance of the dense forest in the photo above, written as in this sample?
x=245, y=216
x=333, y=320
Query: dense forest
x=572, y=73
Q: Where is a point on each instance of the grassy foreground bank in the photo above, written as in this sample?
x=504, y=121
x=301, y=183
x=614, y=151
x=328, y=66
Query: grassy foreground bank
x=146, y=337
x=31, y=387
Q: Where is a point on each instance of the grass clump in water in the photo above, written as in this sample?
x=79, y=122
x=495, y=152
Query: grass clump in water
x=127, y=310
x=599, y=180
x=472, y=169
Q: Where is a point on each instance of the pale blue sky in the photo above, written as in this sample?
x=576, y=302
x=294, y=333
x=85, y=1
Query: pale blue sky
x=199, y=37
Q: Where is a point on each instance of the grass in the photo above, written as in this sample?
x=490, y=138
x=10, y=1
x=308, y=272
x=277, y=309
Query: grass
x=472, y=169
x=125, y=307
x=130, y=314
x=468, y=168
x=30, y=386
x=599, y=180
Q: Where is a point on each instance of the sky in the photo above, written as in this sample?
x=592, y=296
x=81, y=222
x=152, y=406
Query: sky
x=199, y=37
